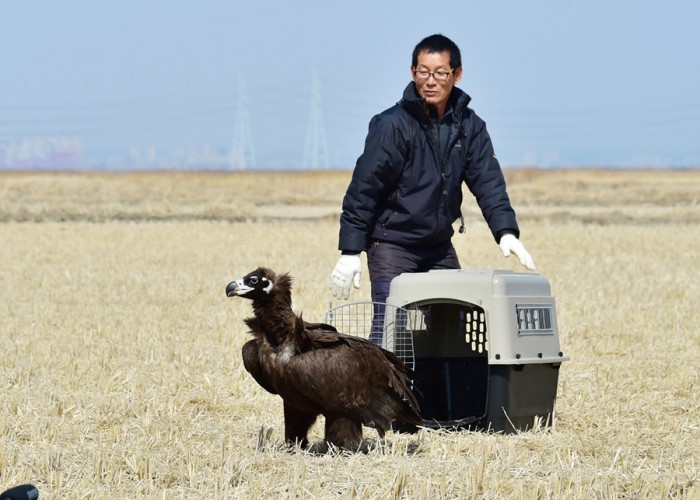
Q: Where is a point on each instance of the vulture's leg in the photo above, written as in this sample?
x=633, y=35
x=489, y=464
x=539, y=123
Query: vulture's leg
x=297, y=425
x=343, y=432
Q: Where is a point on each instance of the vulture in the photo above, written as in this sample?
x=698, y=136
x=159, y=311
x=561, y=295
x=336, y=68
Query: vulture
x=318, y=371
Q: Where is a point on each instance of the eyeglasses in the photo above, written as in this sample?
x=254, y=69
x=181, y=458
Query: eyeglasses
x=440, y=76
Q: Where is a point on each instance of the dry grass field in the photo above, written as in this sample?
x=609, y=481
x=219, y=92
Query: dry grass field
x=120, y=367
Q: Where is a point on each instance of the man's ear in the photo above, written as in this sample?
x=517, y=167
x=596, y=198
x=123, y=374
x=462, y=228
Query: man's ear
x=458, y=75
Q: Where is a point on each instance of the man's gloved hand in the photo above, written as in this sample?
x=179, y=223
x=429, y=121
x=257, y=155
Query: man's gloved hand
x=347, y=270
x=510, y=244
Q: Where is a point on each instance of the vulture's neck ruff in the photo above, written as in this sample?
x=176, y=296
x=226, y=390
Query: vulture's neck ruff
x=271, y=295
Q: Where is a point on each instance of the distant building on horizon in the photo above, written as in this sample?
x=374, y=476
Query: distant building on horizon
x=42, y=153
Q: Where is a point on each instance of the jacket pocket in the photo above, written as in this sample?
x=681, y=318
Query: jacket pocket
x=384, y=221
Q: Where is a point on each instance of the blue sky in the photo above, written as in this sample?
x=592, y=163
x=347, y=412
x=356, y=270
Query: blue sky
x=607, y=83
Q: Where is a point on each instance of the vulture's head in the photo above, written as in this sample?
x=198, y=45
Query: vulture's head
x=260, y=285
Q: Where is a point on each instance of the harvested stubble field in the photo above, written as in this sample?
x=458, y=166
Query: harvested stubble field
x=121, y=374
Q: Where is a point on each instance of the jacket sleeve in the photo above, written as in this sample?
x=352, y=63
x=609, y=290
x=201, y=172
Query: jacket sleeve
x=374, y=178
x=484, y=178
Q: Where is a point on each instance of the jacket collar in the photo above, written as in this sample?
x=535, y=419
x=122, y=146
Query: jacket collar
x=415, y=104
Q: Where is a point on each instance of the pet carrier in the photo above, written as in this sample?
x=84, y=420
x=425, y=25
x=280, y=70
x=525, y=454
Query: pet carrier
x=483, y=344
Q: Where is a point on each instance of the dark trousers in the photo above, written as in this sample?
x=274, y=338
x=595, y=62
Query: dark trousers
x=386, y=260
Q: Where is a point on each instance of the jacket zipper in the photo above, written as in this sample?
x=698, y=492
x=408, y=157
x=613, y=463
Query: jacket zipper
x=441, y=165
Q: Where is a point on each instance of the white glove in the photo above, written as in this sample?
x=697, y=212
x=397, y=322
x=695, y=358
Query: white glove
x=347, y=270
x=509, y=243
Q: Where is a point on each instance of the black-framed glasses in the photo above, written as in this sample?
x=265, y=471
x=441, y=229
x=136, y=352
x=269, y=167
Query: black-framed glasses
x=440, y=76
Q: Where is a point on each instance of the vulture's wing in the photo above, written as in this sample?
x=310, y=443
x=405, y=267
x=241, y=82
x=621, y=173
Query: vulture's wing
x=347, y=374
x=251, y=361
x=320, y=326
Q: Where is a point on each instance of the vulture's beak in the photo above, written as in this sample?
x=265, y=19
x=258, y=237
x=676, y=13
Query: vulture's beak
x=231, y=289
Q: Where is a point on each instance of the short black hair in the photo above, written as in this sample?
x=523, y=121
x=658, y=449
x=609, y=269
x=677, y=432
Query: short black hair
x=438, y=43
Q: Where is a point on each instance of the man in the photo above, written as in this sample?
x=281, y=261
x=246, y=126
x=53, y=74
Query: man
x=406, y=189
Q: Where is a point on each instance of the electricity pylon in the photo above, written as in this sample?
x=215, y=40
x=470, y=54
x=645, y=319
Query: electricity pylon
x=242, y=155
x=316, y=149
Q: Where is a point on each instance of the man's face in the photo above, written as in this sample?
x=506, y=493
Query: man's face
x=433, y=89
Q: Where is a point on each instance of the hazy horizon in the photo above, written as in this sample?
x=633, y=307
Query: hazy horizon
x=276, y=85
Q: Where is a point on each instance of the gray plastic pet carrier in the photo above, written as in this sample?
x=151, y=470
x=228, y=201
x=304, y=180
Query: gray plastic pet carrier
x=483, y=344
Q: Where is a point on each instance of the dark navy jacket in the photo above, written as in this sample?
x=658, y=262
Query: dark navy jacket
x=404, y=191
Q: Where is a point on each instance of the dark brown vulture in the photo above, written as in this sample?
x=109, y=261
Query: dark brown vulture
x=318, y=371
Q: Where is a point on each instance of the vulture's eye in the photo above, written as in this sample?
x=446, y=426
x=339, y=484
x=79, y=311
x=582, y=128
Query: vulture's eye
x=253, y=280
